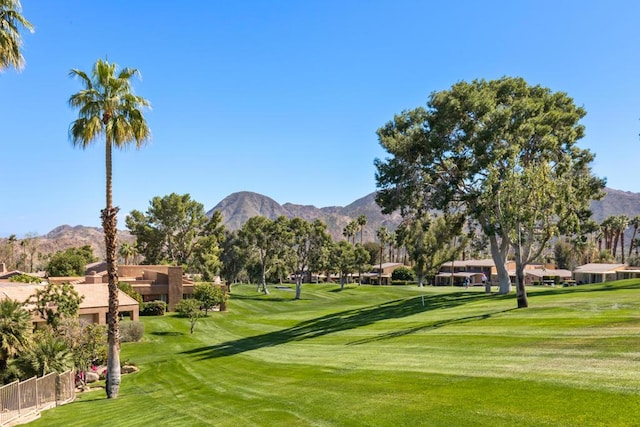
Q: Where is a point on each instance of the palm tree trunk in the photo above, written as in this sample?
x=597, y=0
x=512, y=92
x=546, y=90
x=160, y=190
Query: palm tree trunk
x=633, y=238
x=113, y=337
x=109, y=225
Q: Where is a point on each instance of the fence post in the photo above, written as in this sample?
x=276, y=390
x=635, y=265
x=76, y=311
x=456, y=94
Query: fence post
x=37, y=395
x=19, y=399
x=57, y=389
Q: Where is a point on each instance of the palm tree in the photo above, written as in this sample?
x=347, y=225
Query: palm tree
x=349, y=230
x=635, y=222
x=107, y=107
x=362, y=221
x=11, y=241
x=623, y=224
x=126, y=252
x=10, y=41
x=47, y=353
x=15, y=329
x=383, y=235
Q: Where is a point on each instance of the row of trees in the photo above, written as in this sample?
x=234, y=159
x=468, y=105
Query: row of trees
x=22, y=254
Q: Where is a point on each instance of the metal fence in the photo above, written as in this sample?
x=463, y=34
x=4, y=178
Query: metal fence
x=22, y=399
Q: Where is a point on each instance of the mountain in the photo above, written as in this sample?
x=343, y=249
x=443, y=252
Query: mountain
x=66, y=236
x=616, y=202
x=238, y=207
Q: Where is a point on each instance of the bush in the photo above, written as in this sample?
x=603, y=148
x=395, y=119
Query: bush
x=131, y=331
x=153, y=308
x=403, y=273
x=128, y=289
x=186, y=307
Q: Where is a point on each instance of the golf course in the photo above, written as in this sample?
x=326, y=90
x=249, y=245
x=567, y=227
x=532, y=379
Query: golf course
x=383, y=356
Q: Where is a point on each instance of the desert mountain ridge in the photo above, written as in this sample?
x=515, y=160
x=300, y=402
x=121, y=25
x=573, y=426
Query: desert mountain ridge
x=236, y=208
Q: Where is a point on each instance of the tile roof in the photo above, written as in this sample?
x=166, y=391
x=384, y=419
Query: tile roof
x=596, y=268
x=95, y=295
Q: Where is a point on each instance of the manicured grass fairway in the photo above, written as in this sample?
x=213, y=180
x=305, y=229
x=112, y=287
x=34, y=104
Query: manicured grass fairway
x=376, y=356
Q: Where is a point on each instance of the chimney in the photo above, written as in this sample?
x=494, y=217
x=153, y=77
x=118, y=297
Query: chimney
x=3, y=267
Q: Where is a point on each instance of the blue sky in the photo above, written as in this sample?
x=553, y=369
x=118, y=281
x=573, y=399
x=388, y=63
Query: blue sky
x=284, y=97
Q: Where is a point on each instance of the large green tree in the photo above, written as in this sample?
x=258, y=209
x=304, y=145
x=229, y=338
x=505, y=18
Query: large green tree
x=502, y=151
x=310, y=242
x=11, y=21
x=431, y=243
x=343, y=260
x=176, y=230
x=267, y=241
x=233, y=257
x=70, y=262
x=55, y=302
x=109, y=109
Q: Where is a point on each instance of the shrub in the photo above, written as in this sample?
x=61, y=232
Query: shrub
x=128, y=289
x=24, y=278
x=186, y=307
x=153, y=308
x=131, y=331
x=403, y=273
x=210, y=295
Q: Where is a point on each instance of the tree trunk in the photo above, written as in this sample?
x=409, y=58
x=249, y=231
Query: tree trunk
x=420, y=278
x=633, y=239
x=264, y=282
x=521, y=292
x=109, y=225
x=298, y=285
x=499, y=255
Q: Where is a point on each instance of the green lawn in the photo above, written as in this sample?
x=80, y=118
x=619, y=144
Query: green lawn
x=377, y=356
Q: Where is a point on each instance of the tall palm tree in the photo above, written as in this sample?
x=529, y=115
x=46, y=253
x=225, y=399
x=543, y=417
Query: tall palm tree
x=623, y=224
x=108, y=107
x=10, y=40
x=635, y=222
x=362, y=221
x=349, y=230
x=383, y=235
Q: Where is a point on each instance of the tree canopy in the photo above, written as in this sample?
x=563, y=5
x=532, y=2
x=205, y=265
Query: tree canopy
x=11, y=21
x=175, y=229
x=70, y=262
x=503, y=152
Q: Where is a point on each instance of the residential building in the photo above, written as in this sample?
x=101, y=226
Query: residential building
x=93, y=308
x=154, y=282
x=380, y=274
x=599, y=273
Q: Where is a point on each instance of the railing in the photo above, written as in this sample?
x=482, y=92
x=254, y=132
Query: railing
x=22, y=399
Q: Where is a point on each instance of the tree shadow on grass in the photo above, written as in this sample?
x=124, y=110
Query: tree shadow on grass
x=433, y=325
x=337, y=322
x=594, y=287
x=167, y=333
x=260, y=298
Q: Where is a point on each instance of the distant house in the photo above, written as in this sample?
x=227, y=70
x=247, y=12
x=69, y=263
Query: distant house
x=154, y=282
x=455, y=272
x=600, y=273
x=93, y=308
x=381, y=273
x=537, y=274
x=458, y=271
